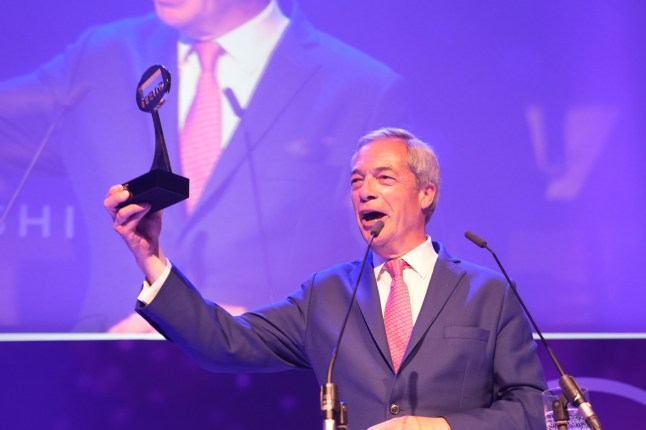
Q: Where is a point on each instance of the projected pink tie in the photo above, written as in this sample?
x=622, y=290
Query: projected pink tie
x=398, y=317
x=201, y=136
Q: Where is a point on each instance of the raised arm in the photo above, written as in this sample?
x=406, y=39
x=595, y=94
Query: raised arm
x=139, y=230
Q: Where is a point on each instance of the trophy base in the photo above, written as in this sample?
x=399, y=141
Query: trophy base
x=159, y=188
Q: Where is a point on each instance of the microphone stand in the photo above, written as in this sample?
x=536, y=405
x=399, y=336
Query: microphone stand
x=571, y=392
x=335, y=413
x=560, y=416
x=239, y=112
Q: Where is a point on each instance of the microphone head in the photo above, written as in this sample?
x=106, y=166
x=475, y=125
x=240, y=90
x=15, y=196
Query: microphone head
x=233, y=102
x=376, y=229
x=475, y=239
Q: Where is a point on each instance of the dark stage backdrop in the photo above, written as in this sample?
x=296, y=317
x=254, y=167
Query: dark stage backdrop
x=536, y=110
x=129, y=384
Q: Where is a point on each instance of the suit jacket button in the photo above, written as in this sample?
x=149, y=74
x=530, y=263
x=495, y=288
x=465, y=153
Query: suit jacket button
x=394, y=409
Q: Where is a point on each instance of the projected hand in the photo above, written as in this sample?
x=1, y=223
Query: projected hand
x=139, y=230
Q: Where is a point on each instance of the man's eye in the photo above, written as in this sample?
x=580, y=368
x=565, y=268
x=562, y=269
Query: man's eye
x=355, y=181
x=386, y=178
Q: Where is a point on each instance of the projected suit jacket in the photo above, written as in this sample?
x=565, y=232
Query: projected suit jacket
x=277, y=206
x=471, y=357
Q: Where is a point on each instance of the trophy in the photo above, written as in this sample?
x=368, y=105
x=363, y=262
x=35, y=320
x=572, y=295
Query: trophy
x=160, y=187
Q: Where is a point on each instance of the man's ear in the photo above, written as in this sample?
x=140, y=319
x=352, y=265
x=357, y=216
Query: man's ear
x=426, y=196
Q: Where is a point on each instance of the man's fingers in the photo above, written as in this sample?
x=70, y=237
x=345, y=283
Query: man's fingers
x=115, y=188
x=117, y=194
x=130, y=214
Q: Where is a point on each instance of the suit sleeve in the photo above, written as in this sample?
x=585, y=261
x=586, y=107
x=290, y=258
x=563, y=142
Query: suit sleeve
x=518, y=378
x=30, y=104
x=267, y=340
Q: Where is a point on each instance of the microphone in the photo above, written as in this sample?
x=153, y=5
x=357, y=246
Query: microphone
x=72, y=100
x=571, y=389
x=233, y=102
x=332, y=409
x=239, y=113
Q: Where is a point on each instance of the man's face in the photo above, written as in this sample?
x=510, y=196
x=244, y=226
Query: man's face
x=383, y=187
x=202, y=18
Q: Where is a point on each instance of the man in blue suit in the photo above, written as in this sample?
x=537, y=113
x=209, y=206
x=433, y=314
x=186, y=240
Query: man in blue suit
x=437, y=344
x=306, y=97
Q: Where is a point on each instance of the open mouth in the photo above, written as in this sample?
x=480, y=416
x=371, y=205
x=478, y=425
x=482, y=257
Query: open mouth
x=372, y=216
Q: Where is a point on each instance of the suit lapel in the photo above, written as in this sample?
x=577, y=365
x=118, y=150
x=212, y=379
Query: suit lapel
x=370, y=306
x=289, y=69
x=445, y=278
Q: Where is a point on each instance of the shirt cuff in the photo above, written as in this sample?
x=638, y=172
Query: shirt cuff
x=149, y=291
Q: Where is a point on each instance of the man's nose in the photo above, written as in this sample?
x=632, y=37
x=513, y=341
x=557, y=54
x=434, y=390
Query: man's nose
x=368, y=189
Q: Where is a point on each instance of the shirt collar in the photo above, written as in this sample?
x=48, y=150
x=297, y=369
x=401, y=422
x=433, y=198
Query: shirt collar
x=421, y=259
x=252, y=42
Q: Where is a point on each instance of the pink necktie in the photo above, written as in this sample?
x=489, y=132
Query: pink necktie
x=398, y=317
x=201, y=136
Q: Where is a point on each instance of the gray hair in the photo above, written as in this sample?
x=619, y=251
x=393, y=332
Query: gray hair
x=421, y=159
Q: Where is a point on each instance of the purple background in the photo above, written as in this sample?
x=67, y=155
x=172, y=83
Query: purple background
x=535, y=110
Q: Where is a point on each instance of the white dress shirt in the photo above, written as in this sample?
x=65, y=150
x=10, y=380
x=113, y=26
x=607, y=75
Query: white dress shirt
x=421, y=262
x=247, y=52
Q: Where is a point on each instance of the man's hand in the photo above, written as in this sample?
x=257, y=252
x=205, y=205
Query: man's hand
x=139, y=231
x=413, y=423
